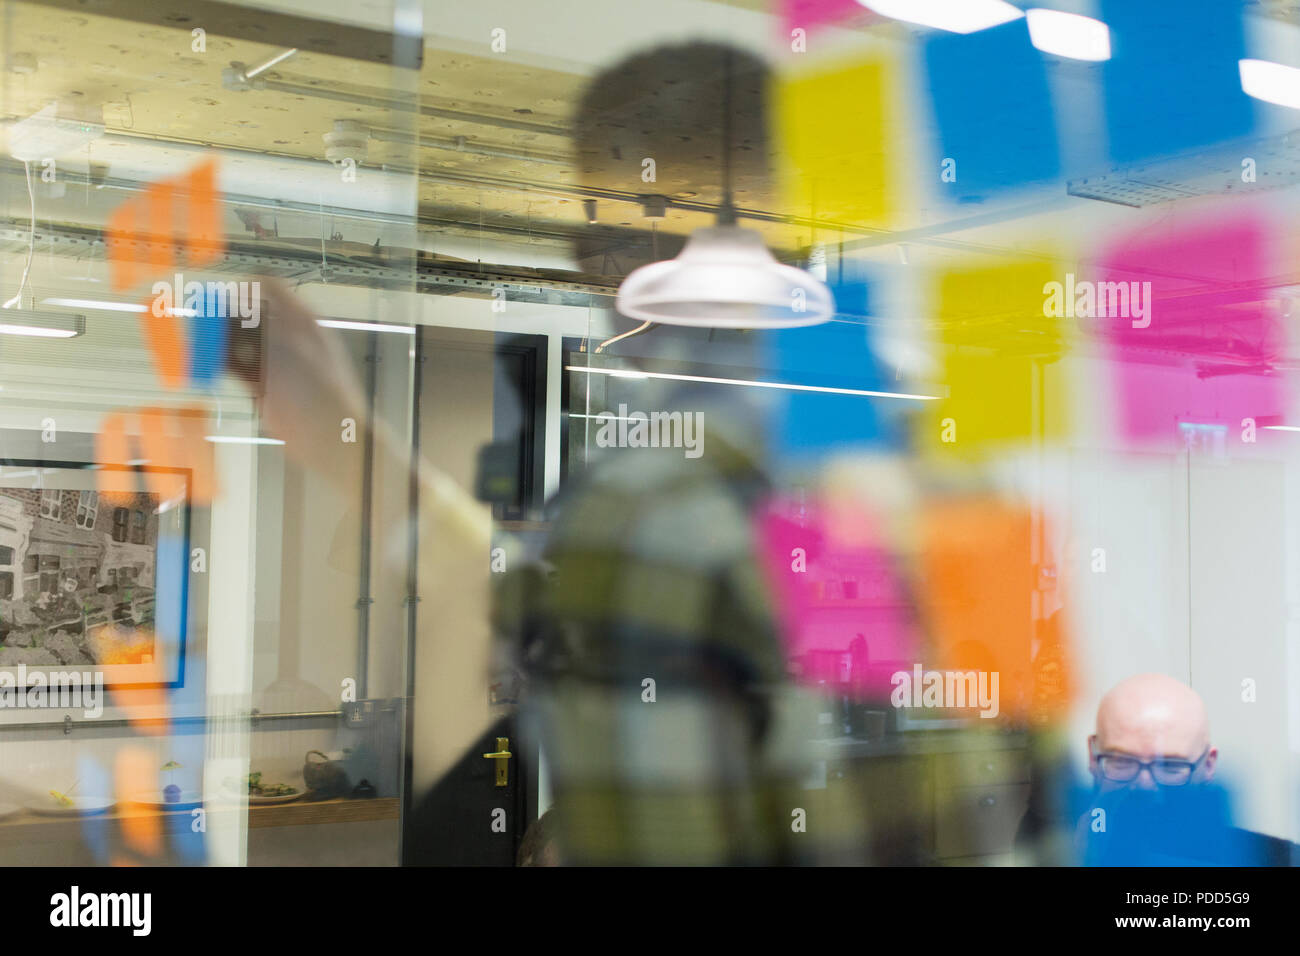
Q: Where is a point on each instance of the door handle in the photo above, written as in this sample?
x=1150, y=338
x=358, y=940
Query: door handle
x=502, y=756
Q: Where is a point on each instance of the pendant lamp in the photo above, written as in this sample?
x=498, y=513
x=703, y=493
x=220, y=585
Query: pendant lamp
x=725, y=277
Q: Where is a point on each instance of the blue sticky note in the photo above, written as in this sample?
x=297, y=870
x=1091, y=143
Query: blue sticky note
x=806, y=425
x=208, y=333
x=1191, y=825
x=996, y=130
x=1172, y=83
x=171, y=593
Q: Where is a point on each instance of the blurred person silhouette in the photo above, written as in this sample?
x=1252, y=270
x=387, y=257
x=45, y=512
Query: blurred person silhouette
x=657, y=677
x=539, y=846
x=654, y=683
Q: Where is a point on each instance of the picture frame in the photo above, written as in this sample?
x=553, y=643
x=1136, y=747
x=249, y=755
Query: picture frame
x=94, y=570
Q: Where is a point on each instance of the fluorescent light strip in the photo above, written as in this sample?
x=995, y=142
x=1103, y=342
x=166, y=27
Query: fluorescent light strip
x=36, y=331
x=1283, y=428
x=237, y=440
x=95, y=304
x=105, y=306
x=365, y=326
x=609, y=415
x=741, y=381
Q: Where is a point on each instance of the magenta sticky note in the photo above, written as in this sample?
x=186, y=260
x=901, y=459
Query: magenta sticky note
x=1191, y=326
x=843, y=612
x=809, y=14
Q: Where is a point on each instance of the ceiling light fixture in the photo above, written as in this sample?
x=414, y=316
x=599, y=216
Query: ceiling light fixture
x=787, y=386
x=1271, y=82
x=365, y=326
x=240, y=440
x=725, y=277
x=955, y=16
x=1068, y=34
x=589, y=210
x=101, y=305
x=45, y=325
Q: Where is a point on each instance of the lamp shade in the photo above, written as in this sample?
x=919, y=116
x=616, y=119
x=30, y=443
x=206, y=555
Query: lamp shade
x=725, y=278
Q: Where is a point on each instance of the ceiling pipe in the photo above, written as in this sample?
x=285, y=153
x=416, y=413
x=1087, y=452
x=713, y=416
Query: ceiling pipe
x=407, y=106
x=278, y=58
x=461, y=145
x=237, y=76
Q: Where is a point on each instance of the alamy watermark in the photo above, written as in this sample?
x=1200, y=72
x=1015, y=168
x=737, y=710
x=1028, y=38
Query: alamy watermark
x=1098, y=300
x=683, y=430
x=242, y=300
x=53, y=690
x=74, y=908
x=950, y=690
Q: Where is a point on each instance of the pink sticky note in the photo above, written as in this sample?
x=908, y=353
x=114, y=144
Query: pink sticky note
x=1202, y=327
x=842, y=608
x=807, y=14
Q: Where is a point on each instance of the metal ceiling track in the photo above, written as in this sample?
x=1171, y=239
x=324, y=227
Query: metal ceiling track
x=421, y=272
x=255, y=24
x=492, y=184
x=931, y=236
x=438, y=219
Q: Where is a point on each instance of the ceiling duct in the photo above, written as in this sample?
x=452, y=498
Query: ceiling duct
x=1274, y=164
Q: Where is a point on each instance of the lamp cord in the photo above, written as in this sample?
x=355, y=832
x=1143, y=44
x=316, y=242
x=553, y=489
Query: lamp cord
x=31, y=246
x=626, y=335
x=727, y=212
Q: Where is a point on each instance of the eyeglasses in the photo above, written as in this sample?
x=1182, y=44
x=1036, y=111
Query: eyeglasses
x=1166, y=771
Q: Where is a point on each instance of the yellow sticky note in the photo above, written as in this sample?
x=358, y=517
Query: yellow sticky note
x=993, y=339
x=835, y=129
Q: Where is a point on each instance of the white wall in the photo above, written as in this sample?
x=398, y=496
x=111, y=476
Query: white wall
x=1200, y=559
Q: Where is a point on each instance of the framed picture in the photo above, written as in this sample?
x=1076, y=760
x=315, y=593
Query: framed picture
x=94, y=570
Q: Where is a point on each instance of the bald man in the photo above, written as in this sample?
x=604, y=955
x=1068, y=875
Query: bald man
x=1151, y=743
x=1153, y=802
x=1152, y=731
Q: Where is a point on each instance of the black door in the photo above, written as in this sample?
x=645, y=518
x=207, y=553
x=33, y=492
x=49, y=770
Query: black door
x=466, y=818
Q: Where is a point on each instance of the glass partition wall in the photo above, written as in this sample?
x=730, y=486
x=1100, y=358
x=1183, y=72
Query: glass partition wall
x=207, y=374
x=348, y=515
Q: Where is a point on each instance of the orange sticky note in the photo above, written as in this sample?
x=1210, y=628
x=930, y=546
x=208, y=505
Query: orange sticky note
x=976, y=593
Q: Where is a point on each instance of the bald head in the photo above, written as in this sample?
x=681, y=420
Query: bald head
x=1151, y=716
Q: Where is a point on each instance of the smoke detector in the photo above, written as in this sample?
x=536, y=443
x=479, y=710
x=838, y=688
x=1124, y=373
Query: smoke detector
x=348, y=140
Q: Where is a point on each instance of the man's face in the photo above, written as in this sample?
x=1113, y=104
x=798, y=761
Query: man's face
x=1124, y=742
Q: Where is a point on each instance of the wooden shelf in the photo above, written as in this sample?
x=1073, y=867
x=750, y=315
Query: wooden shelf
x=522, y=525
x=339, y=810
x=31, y=827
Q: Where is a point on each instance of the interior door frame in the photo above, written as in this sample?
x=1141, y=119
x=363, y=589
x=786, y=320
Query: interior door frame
x=533, y=349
